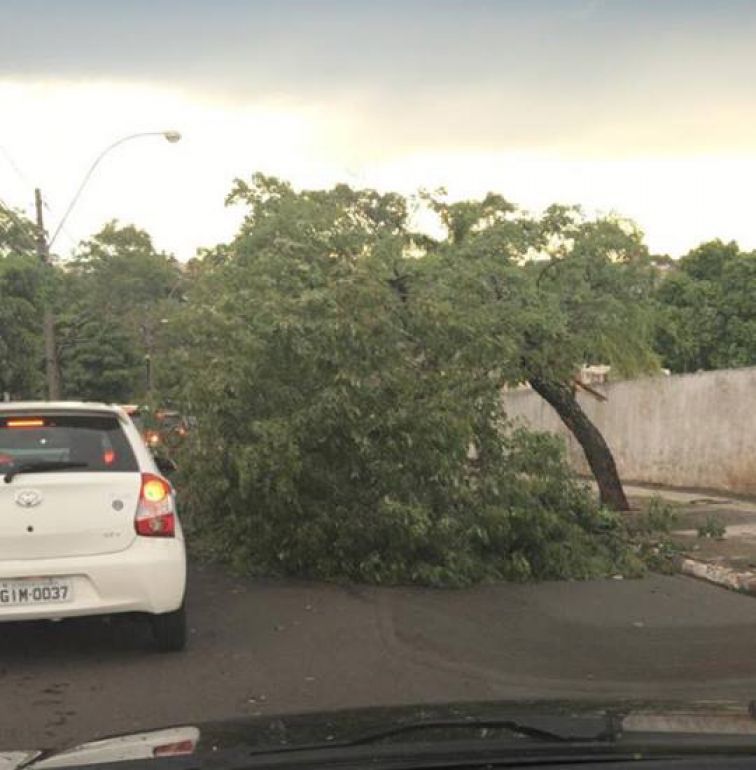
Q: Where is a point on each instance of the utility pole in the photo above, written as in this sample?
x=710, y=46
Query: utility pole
x=43, y=252
x=48, y=318
x=148, y=335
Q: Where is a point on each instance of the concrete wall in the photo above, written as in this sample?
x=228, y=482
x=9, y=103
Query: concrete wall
x=694, y=430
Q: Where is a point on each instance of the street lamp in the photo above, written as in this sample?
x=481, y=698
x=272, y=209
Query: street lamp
x=169, y=136
x=43, y=250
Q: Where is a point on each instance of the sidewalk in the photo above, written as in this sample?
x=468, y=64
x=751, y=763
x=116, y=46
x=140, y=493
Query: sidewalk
x=729, y=561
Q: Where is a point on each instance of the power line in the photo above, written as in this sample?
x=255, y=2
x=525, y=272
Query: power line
x=4, y=207
x=12, y=163
x=73, y=241
x=27, y=181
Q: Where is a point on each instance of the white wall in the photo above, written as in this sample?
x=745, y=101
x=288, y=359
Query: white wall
x=693, y=430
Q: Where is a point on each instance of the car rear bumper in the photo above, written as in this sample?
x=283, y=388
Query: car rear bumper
x=148, y=576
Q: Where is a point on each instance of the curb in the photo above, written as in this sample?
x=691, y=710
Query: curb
x=736, y=580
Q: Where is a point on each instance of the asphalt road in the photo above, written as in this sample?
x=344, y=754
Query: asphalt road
x=266, y=647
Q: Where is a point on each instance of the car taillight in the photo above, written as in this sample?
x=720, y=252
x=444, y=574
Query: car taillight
x=156, y=516
x=152, y=437
x=177, y=749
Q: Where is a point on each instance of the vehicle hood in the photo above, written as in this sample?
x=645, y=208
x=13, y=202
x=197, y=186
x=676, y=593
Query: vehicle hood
x=258, y=735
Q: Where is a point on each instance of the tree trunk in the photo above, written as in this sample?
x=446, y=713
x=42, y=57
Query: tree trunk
x=596, y=450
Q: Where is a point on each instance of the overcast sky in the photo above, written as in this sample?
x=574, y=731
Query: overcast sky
x=645, y=107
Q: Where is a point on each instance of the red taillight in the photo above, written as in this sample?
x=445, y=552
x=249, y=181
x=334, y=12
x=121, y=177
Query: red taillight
x=152, y=438
x=155, y=516
x=180, y=748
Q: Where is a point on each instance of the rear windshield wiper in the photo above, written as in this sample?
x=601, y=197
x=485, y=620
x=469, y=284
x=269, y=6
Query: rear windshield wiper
x=41, y=467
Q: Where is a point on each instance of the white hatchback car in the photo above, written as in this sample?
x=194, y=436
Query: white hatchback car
x=88, y=526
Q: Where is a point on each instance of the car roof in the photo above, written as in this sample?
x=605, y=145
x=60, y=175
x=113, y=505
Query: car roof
x=55, y=406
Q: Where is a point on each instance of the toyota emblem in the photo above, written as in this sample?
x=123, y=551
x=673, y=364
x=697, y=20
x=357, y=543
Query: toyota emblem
x=28, y=498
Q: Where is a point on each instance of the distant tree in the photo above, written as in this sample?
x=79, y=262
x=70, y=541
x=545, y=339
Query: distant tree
x=707, y=312
x=21, y=290
x=98, y=356
x=113, y=300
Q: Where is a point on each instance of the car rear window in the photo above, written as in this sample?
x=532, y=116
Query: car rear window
x=97, y=441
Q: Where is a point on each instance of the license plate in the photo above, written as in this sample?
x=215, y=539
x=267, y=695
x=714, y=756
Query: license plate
x=14, y=593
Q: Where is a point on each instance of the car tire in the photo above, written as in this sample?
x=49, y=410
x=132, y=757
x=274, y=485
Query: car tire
x=169, y=630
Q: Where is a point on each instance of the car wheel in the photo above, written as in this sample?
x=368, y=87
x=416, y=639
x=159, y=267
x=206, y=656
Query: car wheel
x=169, y=630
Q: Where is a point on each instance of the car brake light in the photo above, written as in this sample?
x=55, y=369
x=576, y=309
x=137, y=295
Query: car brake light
x=152, y=437
x=27, y=423
x=156, y=515
x=177, y=749
x=109, y=456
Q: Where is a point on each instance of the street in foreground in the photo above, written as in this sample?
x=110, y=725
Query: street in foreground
x=264, y=647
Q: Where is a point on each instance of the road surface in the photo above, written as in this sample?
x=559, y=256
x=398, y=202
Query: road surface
x=264, y=647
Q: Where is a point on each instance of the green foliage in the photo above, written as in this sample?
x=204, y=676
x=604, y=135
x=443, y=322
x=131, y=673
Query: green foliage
x=22, y=282
x=346, y=374
x=659, y=554
x=713, y=528
x=112, y=300
x=707, y=315
x=101, y=363
x=558, y=291
x=348, y=404
x=649, y=531
x=658, y=518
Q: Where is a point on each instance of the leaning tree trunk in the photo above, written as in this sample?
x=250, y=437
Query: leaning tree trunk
x=596, y=450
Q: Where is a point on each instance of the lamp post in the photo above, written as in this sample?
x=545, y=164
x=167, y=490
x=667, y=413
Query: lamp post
x=43, y=252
